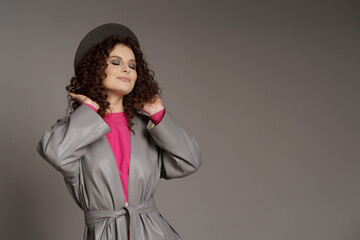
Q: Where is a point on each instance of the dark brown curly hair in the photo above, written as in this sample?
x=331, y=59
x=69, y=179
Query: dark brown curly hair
x=89, y=76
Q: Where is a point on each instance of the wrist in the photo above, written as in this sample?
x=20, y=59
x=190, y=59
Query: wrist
x=155, y=110
x=92, y=103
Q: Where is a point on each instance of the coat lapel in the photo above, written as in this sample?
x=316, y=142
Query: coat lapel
x=133, y=189
x=130, y=180
x=119, y=197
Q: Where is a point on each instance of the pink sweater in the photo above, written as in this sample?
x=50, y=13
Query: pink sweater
x=119, y=139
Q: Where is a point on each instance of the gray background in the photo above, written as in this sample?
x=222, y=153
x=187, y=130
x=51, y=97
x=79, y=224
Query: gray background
x=270, y=89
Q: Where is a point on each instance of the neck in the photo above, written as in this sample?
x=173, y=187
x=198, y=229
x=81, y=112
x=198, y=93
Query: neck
x=116, y=104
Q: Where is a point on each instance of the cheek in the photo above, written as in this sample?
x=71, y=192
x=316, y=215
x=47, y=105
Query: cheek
x=134, y=76
x=135, y=79
x=110, y=70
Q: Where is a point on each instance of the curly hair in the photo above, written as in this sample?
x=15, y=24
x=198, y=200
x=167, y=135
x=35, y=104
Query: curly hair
x=89, y=76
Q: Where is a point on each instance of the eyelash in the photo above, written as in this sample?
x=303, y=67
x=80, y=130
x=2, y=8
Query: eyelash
x=117, y=64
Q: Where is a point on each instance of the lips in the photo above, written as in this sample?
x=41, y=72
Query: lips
x=125, y=79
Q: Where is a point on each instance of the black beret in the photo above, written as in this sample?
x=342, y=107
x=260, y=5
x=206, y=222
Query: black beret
x=97, y=35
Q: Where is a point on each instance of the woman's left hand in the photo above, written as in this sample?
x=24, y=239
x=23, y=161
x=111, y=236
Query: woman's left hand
x=151, y=108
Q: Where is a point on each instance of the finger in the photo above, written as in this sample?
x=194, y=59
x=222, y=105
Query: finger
x=77, y=97
x=73, y=95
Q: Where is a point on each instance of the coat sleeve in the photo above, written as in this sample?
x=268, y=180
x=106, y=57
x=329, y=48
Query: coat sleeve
x=180, y=153
x=66, y=141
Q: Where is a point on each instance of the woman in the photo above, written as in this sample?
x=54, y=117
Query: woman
x=119, y=140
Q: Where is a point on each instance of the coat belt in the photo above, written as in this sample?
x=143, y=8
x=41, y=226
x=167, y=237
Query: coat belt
x=133, y=212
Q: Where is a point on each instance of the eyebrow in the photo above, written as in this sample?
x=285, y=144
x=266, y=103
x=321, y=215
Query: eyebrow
x=131, y=60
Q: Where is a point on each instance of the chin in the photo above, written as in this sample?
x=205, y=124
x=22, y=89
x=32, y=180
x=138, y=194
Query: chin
x=123, y=92
x=119, y=89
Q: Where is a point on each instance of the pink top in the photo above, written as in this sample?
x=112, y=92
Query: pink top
x=119, y=140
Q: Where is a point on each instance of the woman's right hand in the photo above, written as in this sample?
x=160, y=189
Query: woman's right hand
x=84, y=99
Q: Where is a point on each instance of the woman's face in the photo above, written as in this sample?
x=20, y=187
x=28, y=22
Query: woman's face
x=121, y=71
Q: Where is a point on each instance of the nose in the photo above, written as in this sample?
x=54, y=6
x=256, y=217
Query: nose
x=125, y=68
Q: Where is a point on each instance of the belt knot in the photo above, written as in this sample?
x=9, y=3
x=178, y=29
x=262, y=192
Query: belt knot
x=95, y=216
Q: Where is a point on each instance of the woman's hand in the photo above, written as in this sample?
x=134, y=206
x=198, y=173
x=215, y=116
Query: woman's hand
x=84, y=99
x=151, y=108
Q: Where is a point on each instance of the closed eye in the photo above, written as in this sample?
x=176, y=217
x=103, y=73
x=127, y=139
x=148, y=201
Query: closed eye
x=132, y=66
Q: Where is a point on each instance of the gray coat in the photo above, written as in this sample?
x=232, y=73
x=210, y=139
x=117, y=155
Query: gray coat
x=77, y=147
